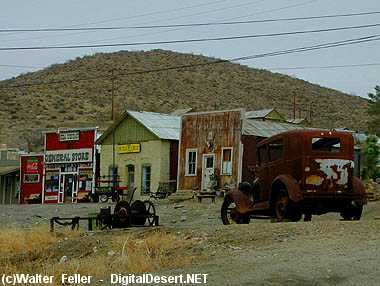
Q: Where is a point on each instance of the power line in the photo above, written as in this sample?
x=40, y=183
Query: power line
x=190, y=24
x=323, y=67
x=21, y=66
x=256, y=56
x=226, y=19
x=155, y=13
x=191, y=40
x=164, y=11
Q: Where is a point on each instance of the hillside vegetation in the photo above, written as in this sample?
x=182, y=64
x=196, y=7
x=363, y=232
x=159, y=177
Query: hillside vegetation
x=26, y=111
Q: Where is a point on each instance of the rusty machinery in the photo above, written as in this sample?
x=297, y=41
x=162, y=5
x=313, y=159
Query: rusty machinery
x=125, y=214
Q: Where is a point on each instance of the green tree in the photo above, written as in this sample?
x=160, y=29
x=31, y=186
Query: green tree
x=371, y=156
x=374, y=111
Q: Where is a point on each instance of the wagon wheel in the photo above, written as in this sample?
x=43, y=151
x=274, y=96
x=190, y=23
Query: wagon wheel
x=103, y=198
x=122, y=215
x=230, y=215
x=138, y=213
x=150, y=212
x=281, y=206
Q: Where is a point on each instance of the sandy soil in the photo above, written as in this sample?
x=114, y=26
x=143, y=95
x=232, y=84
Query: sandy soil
x=326, y=251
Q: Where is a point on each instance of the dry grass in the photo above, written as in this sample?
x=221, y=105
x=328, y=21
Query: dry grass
x=39, y=251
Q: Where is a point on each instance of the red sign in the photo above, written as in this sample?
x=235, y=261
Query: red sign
x=86, y=139
x=31, y=178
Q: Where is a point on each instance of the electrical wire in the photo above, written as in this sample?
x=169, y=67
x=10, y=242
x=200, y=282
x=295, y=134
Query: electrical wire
x=191, y=24
x=323, y=67
x=352, y=41
x=190, y=40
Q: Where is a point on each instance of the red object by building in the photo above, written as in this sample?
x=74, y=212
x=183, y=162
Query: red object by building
x=69, y=165
x=31, y=181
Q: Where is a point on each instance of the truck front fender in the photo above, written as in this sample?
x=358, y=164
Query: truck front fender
x=243, y=203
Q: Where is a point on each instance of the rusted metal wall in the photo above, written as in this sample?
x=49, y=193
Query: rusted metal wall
x=209, y=133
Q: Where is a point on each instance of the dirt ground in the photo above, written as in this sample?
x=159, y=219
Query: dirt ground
x=326, y=251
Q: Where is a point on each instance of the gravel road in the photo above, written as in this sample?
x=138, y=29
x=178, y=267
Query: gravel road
x=326, y=251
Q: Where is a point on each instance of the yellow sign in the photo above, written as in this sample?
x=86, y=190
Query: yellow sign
x=129, y=148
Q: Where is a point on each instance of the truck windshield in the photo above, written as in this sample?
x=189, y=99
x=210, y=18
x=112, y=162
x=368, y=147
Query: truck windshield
x=326, y=144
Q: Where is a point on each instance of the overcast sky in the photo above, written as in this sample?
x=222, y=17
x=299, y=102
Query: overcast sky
x=90, y=13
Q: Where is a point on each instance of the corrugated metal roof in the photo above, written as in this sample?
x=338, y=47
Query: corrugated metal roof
x=267, y=128
x=5, y=170
x=162, y=125
x=180, y=112
x=258, y=113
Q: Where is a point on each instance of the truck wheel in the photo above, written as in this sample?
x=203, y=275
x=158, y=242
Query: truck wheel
x=295, y=215
x=230, y=215
x=281, y=206
x=352, y=213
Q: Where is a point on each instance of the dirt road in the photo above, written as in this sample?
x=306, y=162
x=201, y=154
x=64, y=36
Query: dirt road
x=326, y=251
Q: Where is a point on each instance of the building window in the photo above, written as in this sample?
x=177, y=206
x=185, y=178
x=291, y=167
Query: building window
x=145, y=179
x=191, y=162
x=130, y=176
x=227, y=161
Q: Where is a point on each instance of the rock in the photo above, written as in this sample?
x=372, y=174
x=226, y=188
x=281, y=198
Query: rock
x=183, y=218
x=111, y=253
x=178, y=206
x=95, y=249
x=234, y=247
x=173, y=221
x=63, y=259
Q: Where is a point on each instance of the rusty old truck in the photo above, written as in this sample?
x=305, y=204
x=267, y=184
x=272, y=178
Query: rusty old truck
x=300, y=172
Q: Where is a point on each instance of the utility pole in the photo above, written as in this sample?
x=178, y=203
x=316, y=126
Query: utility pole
x=310, y=112
x=294, y=106
x=113, y=129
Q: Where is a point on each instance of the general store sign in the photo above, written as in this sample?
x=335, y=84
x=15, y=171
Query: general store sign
x=129, y=148
x=69, y=136
x=68, y=156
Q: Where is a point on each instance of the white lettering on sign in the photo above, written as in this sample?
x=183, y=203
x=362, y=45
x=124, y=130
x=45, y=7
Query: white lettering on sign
x=68, y=156
x=69, y=136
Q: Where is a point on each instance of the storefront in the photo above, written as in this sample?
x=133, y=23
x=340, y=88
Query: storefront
x=69, y=165
x=31, y=177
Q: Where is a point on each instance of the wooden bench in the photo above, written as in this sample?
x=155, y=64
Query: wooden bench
x=203, y=195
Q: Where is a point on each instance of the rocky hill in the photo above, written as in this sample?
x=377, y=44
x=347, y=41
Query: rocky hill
x=73, y=101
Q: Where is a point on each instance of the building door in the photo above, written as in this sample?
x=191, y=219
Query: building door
x=68, y=188
x=208, y=169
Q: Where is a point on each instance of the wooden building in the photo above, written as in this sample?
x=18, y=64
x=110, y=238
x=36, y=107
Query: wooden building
x=141, y=150
x=220, y=146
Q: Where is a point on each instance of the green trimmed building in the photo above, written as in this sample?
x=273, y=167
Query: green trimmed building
x=141, y=150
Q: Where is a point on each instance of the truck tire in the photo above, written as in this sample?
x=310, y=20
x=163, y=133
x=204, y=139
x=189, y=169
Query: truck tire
x=281, y=206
